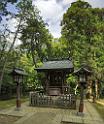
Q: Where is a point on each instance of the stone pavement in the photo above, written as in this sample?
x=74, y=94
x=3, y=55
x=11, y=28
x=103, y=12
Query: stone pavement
x=40, y=115
x=91, y=116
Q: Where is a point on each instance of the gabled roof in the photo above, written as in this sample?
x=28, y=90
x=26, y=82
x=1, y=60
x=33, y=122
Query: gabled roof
x=83, y=70
x=57, y=64
x=18, y=71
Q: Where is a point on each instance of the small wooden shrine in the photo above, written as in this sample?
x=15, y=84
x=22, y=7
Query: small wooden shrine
x=55, y=76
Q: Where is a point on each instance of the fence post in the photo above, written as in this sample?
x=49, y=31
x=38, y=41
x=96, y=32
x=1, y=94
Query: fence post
x=30, y=98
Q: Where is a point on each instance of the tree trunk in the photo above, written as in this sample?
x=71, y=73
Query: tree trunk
x=32, y=50
x=10, y=49
x=81, y=106
x=35, y=47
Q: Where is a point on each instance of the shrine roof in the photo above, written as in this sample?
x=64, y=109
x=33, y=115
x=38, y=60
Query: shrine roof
x=56, y=64
x=83, y=70
x=18, y=71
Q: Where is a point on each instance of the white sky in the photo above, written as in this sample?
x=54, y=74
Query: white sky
x=52, y=12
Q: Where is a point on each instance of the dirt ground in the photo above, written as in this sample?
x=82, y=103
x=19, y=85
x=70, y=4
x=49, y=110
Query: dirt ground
x=5, y=119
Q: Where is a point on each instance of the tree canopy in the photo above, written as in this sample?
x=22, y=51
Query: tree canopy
x=82, y=26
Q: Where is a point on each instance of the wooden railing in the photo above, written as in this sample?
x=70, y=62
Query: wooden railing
x=62, y=101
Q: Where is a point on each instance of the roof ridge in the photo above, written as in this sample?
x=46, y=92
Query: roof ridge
x=57, y=59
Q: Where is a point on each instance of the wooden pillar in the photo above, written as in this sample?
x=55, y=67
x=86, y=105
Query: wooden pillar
x=81, y=106
x=94, y=91
x=62, y=82
x=47, y=84
x=96, y=88
x=18, y=101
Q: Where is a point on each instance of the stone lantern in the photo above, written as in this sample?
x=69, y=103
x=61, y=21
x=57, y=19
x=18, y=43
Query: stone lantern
x=18, y=74
x=82, y=74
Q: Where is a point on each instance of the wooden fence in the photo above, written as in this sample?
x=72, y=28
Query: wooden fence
x=62, y=101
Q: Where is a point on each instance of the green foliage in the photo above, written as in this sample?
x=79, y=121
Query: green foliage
x=58, y=49
x=82, y=27
x=35, y=37
x=82, y=39
x=71, y=80
x=27, y=64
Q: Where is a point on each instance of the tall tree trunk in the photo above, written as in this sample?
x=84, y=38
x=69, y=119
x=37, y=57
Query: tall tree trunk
x=38, y=48
x=32, y=50
x=10, y=49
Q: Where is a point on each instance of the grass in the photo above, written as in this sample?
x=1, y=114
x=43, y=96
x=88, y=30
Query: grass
x=9, y=103
x=100, y=109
